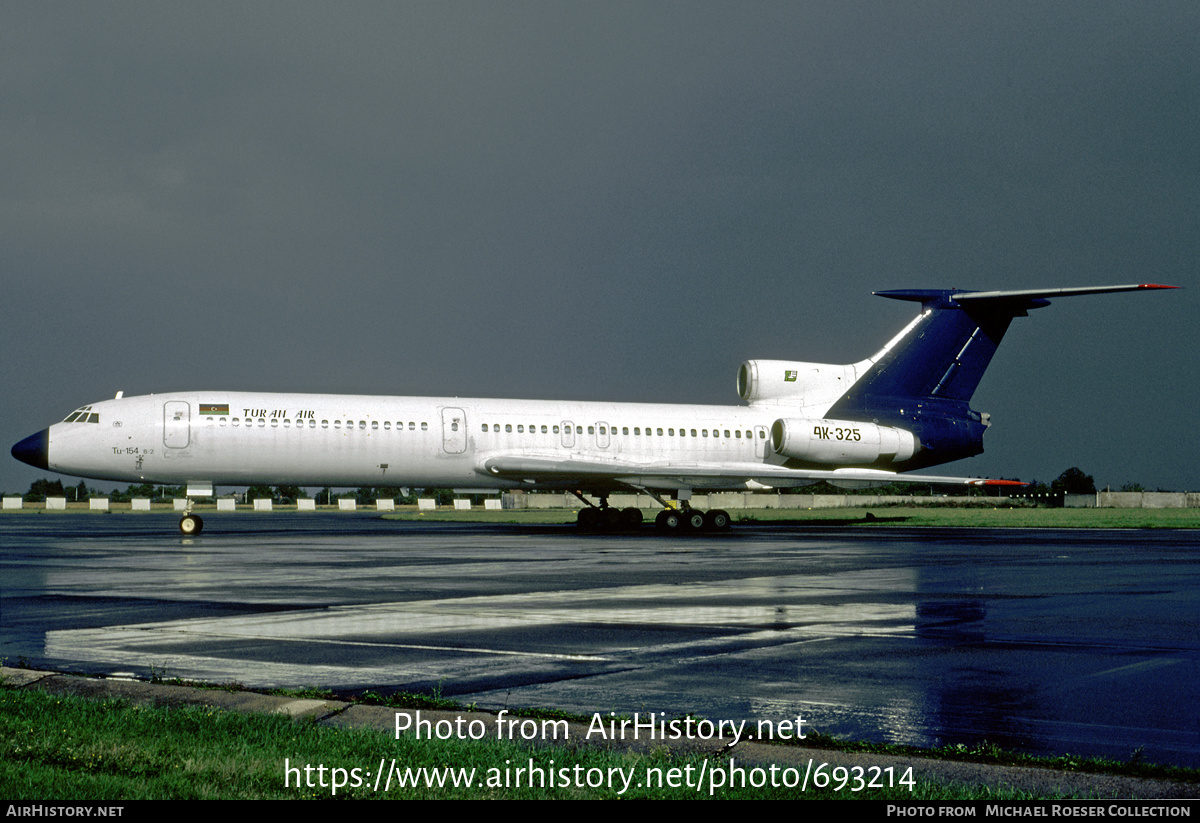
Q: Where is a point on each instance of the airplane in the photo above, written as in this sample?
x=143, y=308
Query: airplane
x=906, y=407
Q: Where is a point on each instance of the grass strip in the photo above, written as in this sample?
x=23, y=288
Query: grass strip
x=55, y=747
x=886, y=516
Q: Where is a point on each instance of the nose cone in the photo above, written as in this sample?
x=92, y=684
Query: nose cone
x=34, y=449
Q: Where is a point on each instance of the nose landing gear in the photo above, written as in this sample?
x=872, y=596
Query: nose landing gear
x=191, y=524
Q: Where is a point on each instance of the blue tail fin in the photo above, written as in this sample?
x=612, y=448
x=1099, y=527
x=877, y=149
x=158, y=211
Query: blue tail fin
x=944, y=355
x=924, y=380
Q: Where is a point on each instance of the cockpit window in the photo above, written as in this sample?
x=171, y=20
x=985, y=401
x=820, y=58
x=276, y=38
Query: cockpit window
x=84, y=415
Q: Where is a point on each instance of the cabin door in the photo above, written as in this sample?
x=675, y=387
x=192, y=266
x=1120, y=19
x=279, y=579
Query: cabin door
x=454, y=431
x=177, y=419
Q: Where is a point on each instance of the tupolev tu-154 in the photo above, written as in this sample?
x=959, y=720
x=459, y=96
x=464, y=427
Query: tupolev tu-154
x=906, y=407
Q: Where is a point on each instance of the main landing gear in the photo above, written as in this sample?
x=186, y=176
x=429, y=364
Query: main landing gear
x=678, y=521
x=605, y=519
x=686, y=520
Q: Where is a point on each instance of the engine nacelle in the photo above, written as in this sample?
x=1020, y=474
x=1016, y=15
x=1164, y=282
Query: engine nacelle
x=841, y=441
x=794, y=382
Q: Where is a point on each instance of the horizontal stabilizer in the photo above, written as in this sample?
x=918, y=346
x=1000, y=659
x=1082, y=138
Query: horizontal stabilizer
x=943, y=354
x=1046, y=294
x=966, y=298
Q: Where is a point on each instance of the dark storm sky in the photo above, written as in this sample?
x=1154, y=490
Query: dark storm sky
x=601, y=201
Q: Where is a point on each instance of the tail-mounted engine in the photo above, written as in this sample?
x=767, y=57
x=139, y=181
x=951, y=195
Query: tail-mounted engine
x=791, y=382
x=842, y=441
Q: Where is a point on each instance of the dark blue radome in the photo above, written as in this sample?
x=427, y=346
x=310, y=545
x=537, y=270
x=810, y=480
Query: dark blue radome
x=34, y=449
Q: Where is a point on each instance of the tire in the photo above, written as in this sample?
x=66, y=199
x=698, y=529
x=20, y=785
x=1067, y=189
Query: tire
x=612, y=519
x=631, y=519
x=588, y=519
x=191, y=524
x=694, y=520
x=669, y=521
x=717, y=520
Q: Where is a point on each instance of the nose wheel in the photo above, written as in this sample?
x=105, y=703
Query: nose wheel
x=191, y=524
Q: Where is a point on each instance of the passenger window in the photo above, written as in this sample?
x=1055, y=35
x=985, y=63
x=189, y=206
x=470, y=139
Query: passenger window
x=424, y=427
x=543, y=429
x=624, y=430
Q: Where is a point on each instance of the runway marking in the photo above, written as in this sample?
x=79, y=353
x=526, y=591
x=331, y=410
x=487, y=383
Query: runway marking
x=1143, y=666
x=765, y=612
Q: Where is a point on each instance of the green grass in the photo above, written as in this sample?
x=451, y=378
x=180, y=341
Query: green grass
x=976, y=515
x=981, y=517
x=55, y=747
x=448, y=515
x=73, y=748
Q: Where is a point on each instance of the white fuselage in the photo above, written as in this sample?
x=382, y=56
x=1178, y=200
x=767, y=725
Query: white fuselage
x=233, y=438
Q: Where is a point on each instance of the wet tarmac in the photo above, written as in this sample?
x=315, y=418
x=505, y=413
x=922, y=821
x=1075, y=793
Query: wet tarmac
x=1044, y=641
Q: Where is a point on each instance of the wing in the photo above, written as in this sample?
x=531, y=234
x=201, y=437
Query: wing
x=552, y=472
